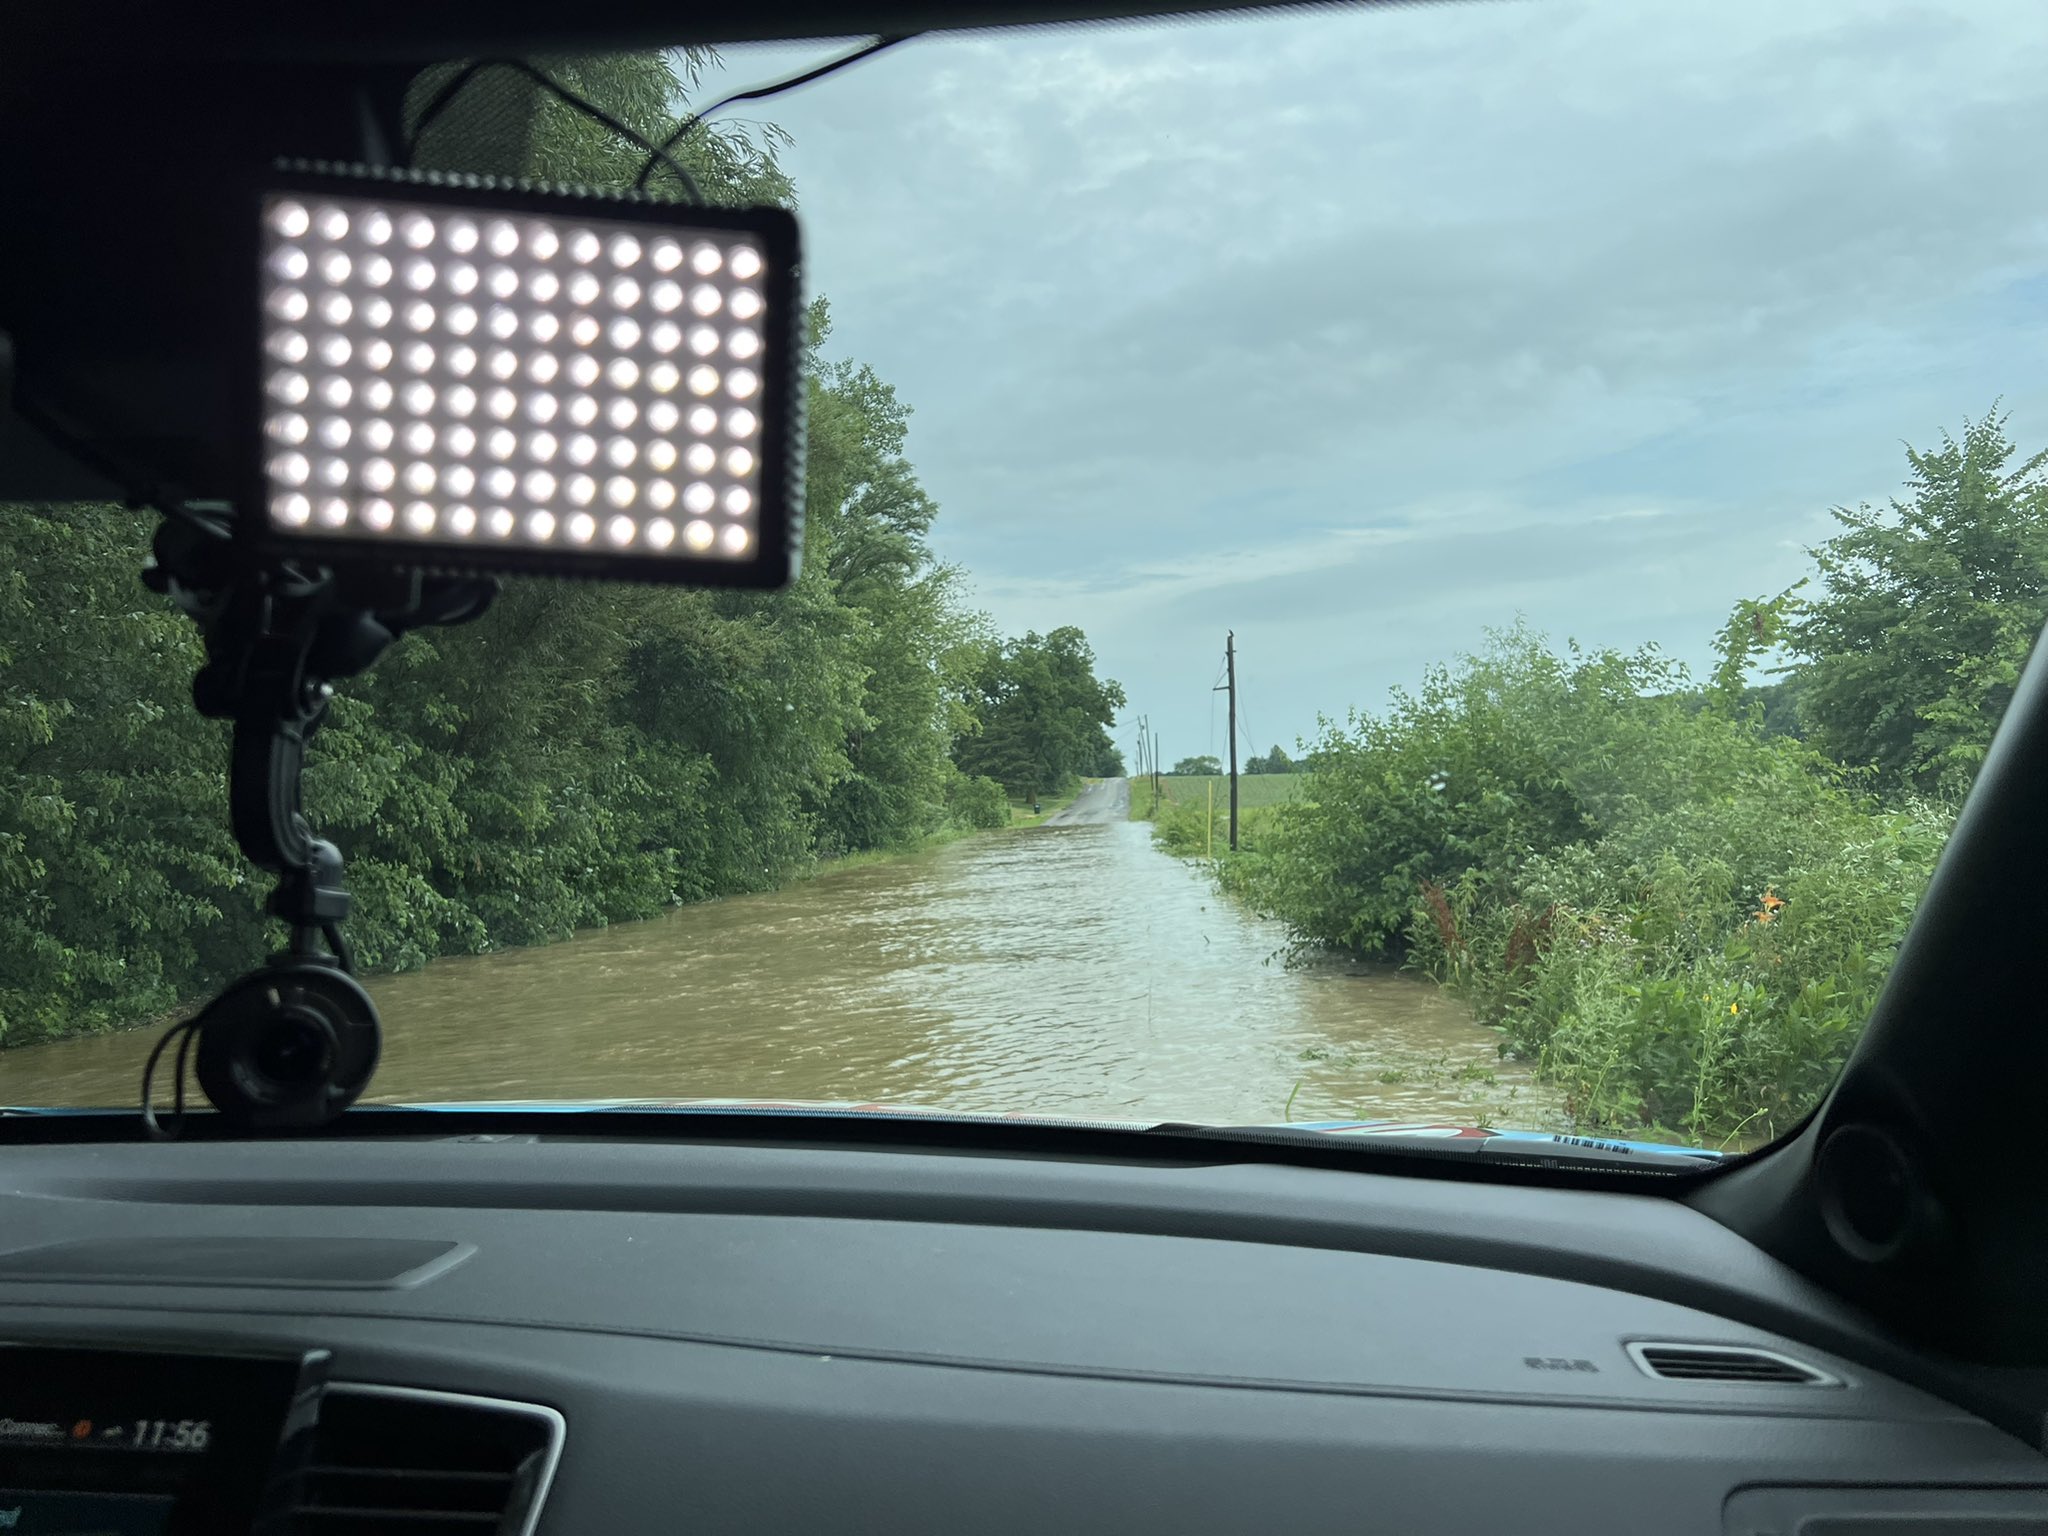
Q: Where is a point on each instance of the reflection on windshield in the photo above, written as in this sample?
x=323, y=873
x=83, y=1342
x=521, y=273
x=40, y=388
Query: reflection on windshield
x=1517, y=392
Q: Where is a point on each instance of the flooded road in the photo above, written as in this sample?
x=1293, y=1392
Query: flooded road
x=1067, y=969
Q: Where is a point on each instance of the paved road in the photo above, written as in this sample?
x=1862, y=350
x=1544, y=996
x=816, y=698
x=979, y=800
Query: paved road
x=1107, y=801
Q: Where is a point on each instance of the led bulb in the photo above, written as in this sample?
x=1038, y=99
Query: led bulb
x=530, y=383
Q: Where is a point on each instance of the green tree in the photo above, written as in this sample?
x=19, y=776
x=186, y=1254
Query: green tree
x=1197, y=767
x=583, y=754
x=1929, y=608
x=1042, y=715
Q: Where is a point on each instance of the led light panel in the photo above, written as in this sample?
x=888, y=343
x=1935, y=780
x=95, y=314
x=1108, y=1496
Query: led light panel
x=493, y=378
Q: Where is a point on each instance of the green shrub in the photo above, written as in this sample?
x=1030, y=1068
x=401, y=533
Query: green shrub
x=1681, y=920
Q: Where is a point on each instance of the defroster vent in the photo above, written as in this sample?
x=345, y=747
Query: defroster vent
x=395, y=1461
x=1727, y=1363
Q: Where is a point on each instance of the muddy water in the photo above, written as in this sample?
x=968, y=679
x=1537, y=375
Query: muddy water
x=1066, y=969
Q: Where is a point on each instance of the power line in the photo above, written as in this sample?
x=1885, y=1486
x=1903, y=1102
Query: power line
x=691, y=120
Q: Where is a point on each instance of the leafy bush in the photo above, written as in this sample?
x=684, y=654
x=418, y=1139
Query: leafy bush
x=1681, y=919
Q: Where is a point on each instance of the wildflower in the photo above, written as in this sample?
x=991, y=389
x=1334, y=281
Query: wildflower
x=1767, y=911
x=1735, y=1008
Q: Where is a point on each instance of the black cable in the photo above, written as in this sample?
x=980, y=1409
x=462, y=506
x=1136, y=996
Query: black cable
x=136, y=489
x=759, y=93
x=656, y=154
x=184, y=1032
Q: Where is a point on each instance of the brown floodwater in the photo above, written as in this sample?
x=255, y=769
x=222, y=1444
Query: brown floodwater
x=1060, y=969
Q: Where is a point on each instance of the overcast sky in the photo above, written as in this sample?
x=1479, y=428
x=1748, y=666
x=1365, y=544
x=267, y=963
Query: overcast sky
x=1361, y=331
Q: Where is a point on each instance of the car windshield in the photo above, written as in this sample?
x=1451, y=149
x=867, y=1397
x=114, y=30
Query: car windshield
x=1444, y=565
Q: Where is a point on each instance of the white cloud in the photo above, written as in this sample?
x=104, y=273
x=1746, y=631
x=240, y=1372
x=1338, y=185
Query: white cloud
x=1361, y=330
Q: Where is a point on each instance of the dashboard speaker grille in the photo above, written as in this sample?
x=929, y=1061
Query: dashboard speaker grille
x=389, y=1461
x=1727, y=1363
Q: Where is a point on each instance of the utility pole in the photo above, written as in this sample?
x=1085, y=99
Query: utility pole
x=1230, y=683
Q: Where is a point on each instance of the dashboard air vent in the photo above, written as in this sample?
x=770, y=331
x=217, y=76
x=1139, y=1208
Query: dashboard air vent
x=1727, y=1363
x=392, y=1461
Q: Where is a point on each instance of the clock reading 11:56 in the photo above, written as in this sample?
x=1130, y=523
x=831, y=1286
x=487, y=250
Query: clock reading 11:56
x=172, y=1434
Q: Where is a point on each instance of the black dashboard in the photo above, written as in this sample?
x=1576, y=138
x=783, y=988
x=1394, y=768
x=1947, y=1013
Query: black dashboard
x=760, y=1337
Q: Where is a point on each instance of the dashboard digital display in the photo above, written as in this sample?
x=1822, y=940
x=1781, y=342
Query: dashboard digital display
x=110, y=1442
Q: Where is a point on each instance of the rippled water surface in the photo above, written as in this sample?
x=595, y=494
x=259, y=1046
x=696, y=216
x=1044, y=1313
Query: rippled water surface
x=1068, y=969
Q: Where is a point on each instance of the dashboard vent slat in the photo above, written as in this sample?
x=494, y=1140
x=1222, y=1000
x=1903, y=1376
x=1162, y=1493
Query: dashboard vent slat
x=391, y=1461
x=1740, y=1365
